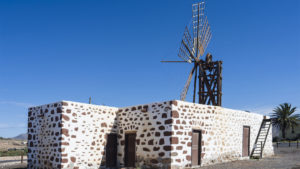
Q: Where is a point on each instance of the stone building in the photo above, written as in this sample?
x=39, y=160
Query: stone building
x=172, y=134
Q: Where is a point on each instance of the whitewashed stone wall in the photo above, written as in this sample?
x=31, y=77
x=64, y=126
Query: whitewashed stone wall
x=152, y=124
x=222, y=133
x=44, y=136
x=84, y=131
x=69, y=135
x=73, y=135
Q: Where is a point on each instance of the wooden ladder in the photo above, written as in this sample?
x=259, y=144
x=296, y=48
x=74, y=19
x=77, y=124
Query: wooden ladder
x=261, y=139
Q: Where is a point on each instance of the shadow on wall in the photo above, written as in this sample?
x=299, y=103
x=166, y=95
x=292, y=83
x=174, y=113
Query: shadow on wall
x=109, y=156
x=44, y=136
x=144, y=138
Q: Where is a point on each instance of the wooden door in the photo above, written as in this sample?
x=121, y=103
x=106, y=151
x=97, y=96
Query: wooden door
x=246, y=141
x=111, y=150
x=130, y=149
x=196, y=148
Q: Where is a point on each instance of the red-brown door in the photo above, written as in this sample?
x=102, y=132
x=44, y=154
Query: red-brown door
x=130, y=149
x=246, y=141
x=196, y=148
x=111, y=150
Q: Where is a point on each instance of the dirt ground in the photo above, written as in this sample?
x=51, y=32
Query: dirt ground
x=14, y=166
x=12, y=162
x=284, y=158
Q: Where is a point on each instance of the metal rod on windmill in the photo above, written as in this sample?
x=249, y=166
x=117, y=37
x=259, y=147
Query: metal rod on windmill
x=207, y=72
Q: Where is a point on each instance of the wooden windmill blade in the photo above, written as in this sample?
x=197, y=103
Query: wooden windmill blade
x=198, y=16
x=186, y=47
x=187, y=85
x=204, y=37
x=207, y=40
x=201, y=29
x=206, y=32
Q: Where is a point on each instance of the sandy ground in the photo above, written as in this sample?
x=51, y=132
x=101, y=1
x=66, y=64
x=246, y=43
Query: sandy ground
x=284, y=158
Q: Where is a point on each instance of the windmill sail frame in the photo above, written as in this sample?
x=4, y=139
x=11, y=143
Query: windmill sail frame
x=206, y=72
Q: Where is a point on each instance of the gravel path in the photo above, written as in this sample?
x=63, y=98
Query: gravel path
x=284, y=158
x=12, y=162
x=14, y=166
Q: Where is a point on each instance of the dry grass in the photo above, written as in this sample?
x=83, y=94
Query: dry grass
x=6, y=144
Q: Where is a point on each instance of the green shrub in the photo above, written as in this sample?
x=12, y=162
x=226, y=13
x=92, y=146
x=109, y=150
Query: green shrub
x=13, y=153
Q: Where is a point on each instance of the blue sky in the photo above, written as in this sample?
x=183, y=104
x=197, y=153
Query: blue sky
x=111, y=51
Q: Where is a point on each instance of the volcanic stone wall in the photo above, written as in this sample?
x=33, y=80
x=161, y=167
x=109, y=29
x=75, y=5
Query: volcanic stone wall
x=73, y=135
x=84, y=131
x=44, y=136
x=69, y=135
x=222, y=133
x=152, y=124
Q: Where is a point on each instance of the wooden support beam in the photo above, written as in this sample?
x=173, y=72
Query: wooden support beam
x=210, y=78
x=195, y=83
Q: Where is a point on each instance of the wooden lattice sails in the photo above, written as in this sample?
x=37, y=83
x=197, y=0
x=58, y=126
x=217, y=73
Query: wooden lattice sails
x=207, y=73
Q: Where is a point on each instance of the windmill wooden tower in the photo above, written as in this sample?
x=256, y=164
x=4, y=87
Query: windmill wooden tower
x=207, y=73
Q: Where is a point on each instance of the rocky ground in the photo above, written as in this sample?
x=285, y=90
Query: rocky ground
x=284, y=158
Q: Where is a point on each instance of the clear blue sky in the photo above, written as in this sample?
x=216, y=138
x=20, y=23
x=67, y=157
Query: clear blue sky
x=111, y=51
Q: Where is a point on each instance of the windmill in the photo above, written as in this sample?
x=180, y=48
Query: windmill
x=206, y=72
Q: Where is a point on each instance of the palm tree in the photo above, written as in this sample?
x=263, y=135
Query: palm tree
x=283, y=117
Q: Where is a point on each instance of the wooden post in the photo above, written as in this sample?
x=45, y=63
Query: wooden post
x=261, y=149
x=195, y=84
x=90, y=100
x=219, y=83
x=22, y=157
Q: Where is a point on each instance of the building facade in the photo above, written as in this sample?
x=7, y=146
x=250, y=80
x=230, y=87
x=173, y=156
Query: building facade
x=172, y=134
